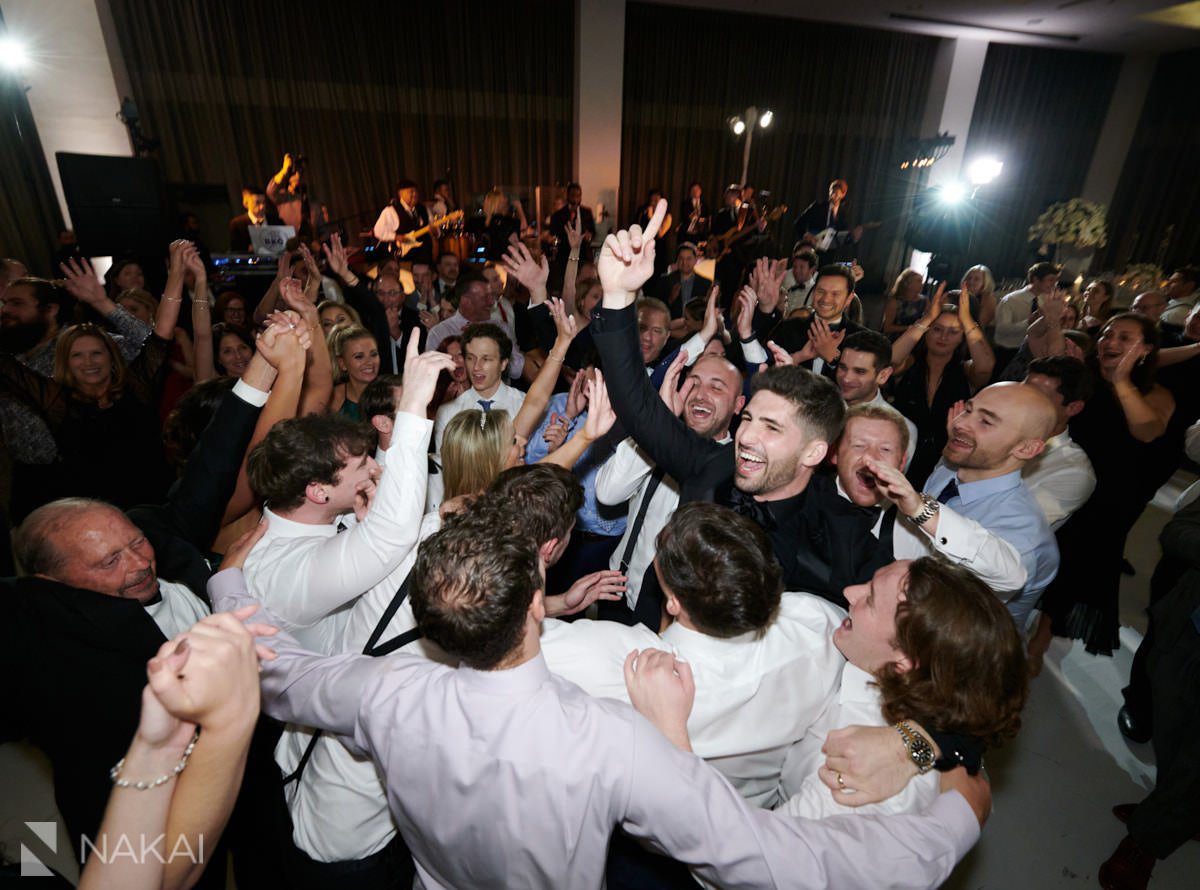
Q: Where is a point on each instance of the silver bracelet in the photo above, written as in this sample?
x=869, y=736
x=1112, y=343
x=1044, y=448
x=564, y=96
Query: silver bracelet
x=114, y=773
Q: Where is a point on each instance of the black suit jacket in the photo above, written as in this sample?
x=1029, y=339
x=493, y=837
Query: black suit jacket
x=239, y=231
x=820, y=543
x=666, y=288
x=81, y=656
x=792, y=335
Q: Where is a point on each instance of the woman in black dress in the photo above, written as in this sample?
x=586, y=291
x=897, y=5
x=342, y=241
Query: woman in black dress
x=934, y=371
x=1123, y=429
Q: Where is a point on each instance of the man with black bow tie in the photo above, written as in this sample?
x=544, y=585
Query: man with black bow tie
x=785, y=432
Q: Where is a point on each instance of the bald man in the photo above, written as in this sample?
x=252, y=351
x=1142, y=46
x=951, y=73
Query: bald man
x=1152, y=304
x=993, y=524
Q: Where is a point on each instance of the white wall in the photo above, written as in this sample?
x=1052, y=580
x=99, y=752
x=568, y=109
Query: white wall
x=72, y=89
x=960, y=64
x=599, y=78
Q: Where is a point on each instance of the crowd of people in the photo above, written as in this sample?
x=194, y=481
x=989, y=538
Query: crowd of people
x=572, y=566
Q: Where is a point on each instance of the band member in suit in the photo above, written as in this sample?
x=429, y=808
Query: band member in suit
x=559, y=220
x=662, y=255
x=695, y=216
x=258, y=213
x=829, y=214
x=404, y=214
x=681, y=286
x=738, y=215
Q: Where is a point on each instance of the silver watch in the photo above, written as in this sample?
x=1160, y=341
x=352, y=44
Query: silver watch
x=920, y=752
x=927, y=512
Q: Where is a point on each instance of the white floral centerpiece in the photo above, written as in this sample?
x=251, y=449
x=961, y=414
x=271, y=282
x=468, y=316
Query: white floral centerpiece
x=1075, y=223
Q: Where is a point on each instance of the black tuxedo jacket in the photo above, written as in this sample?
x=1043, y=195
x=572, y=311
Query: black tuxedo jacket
x=239, y=231
x=792, y=335
x=80, y=656
x=821, y=540
x=666, y=289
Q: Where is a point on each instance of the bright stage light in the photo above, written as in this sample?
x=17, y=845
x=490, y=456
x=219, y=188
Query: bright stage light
x=953, y=193
x=13, y=54
x=738, y=125
x=765, y=120
x=983, y=170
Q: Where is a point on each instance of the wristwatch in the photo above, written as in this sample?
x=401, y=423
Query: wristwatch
x=920, y=752
x=927, y=512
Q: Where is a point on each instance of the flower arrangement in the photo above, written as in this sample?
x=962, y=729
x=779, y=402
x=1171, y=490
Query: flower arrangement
x=1138, y=277
x=1074, y=223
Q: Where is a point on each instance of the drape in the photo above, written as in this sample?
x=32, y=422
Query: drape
x=1153, y=217
x=480, y=94
x=844, y=98
x=1039, y=111
x=30, y=218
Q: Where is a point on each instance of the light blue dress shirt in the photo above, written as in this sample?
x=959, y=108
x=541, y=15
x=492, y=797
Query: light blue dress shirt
x=1007, y=508
x=594, y=517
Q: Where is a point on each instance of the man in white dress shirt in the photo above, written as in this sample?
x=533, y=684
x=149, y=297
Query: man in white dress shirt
x=500, y=775
x=318, y=478
x=1061, y=477
x=764, y=662
x=1014, y=310
x=798, y=282
x=485, y=350
x=864, y=366
x=474, y=301
x=711, y=396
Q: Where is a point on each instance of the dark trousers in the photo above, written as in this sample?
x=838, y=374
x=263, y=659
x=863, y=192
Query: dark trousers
x=1139, y=694
x=1170, y=815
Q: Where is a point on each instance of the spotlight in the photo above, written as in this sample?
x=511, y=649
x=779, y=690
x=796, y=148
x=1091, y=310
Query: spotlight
x=737, y=125
x=983, y=170
x=953, y=193
x=13, y=54
x=765, y=120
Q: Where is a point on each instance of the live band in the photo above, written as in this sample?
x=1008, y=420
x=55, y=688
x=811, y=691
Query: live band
x=727, y=241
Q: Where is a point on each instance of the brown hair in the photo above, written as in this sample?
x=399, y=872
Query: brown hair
x=62, y=353
x=303, y=450
x=722, y=568
x=969, y=673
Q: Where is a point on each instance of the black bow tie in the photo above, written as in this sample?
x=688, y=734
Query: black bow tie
x=756, y=511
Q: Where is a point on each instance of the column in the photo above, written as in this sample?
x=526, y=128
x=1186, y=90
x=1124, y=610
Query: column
x=1124, y=112
x=72, y=86
x=952, y=93
x=599, y=75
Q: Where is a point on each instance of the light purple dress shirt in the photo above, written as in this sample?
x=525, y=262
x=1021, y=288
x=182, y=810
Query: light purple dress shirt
x=517, y=778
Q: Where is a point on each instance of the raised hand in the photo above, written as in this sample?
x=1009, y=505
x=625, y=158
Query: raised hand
x=1123, y=372
x=421, y=370
x=575, y=233
x=285, y=266
x=1053, y=307
x=577, y=396
x=627, y=260
x=312, y=287
x=519, y=262
x=825, y=342
x=674, y=397
x=192, y=262
x=662, y=689
x=298, y=301
x=956, y=409
x=858, y=272
x=81, y=281
x=556, y=431
x=335, y=255
x=934, y=309
x=601, y=416
x=176, y=261
x=607, y=584
x=782, y=356
x=564, y=323
x=746, y=300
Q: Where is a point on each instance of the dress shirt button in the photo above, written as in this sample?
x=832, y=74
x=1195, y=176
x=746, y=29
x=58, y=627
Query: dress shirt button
x=944, y=542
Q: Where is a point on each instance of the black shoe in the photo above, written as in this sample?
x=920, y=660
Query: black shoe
x=1127, y=568
x=1132, y=728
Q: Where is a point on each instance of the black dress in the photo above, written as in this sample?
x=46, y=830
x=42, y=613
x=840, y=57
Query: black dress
x=1082, y=601
x=909, y=398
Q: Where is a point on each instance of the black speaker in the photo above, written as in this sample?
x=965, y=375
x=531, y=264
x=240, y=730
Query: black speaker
x=118, y=205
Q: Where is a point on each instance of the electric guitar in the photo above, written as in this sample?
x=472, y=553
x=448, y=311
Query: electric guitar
x=717, y=247
x=409, y=240
x=831, y=237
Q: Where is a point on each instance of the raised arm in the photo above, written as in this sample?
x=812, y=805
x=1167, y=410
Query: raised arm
x=1146, y=415
x=904, y=345
x=599, y=421
x=574, y=239
x=318, y=376
x=81, y=282
x=270, y=300
x=983, y=360
x=519, y=262
x=533, y=408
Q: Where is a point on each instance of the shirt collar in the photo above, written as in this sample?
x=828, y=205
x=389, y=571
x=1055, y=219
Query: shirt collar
x=281, y=527
x=1060, y=441
x=696, y=642
x=975, y=491
x=520, y=680
x=857, y=685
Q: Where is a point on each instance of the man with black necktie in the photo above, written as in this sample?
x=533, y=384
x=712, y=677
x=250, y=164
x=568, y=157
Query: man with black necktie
x=566, y=216
x=785, y=433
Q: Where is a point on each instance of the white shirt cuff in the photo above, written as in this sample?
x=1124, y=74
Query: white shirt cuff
x=753, y=353
x=249, y=394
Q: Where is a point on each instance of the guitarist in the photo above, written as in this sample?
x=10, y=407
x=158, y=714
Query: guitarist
x=404, y=214
x=824, y=215
x=732, y=220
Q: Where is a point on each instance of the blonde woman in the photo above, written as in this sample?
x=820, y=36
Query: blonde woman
x=356, y=357
x=335, y=315
x=979, y=285
x=905, y=304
